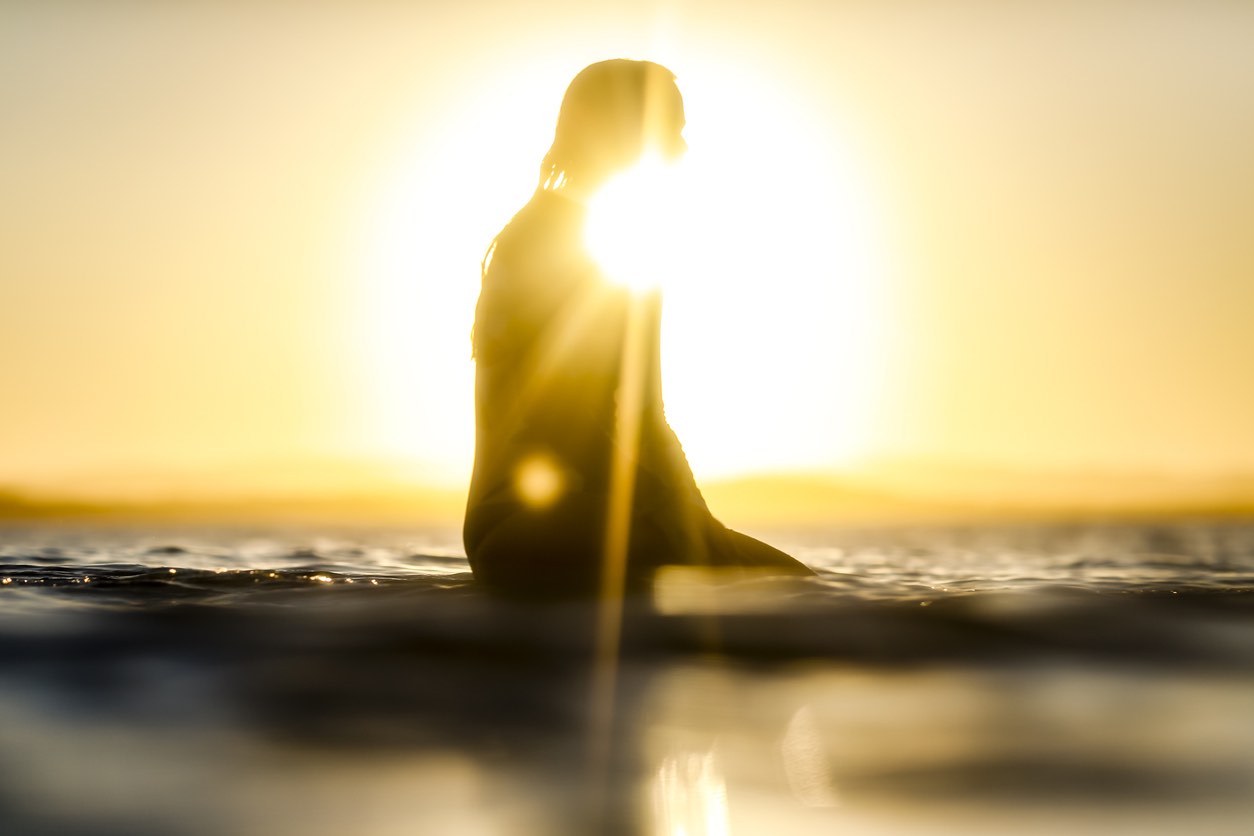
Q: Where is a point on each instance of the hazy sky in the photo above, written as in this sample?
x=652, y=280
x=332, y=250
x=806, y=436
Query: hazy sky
x=210, y=215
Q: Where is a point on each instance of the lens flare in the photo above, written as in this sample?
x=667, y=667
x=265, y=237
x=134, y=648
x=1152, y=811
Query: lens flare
x=538, y=480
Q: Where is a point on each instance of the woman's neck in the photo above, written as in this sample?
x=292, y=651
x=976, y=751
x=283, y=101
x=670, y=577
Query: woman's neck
x=580, y=189
x=579, y=192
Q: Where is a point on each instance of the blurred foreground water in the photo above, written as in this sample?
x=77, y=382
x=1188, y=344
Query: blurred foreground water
x=987, y=679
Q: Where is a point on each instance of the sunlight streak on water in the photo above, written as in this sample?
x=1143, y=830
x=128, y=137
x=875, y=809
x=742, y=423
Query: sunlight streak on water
x=690, y=796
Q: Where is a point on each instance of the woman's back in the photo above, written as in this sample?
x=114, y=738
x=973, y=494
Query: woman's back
x=547, y=347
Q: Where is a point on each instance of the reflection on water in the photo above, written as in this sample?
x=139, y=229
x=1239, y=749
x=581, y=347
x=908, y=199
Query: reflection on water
x=1064, y=679
x=805, y=761
x=1056, y=749
x=1038, y=752
x=689, y=795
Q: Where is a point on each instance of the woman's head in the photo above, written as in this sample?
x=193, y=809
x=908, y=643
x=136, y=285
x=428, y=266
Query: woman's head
x=613, y=112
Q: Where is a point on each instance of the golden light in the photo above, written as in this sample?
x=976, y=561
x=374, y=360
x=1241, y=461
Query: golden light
x=538, y=480
x=690, y=796
x=634, y=228
x=764, y=239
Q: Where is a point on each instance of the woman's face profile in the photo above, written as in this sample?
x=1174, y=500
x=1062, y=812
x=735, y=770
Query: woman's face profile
x=673, y=146
x=663, y=121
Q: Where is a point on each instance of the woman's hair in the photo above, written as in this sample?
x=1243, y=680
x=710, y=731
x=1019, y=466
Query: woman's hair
x=611, y=112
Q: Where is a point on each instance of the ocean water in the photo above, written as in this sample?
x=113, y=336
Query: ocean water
x=1079, y=678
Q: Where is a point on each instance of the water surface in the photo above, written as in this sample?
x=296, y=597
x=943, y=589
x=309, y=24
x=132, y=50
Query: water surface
x=986, y=679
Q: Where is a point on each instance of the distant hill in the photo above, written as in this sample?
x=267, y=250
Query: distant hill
x=886, y=492
x=1097, y=490
x=16, y=505
x=416, y=506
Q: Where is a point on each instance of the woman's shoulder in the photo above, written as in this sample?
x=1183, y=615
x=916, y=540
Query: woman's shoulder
x=547, y=221
x=548, y=229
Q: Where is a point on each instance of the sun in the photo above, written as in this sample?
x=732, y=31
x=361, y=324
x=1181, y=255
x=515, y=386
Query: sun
x=763, y=240
x=635, y=227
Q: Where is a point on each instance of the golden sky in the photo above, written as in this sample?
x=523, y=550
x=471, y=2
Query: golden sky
x=1012, y=234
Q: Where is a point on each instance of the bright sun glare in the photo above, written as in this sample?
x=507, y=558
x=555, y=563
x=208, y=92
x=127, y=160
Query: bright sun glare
x=634, y=228
x=765, y=246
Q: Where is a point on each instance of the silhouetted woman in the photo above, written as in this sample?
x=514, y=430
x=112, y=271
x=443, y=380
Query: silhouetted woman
x=578, y=478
